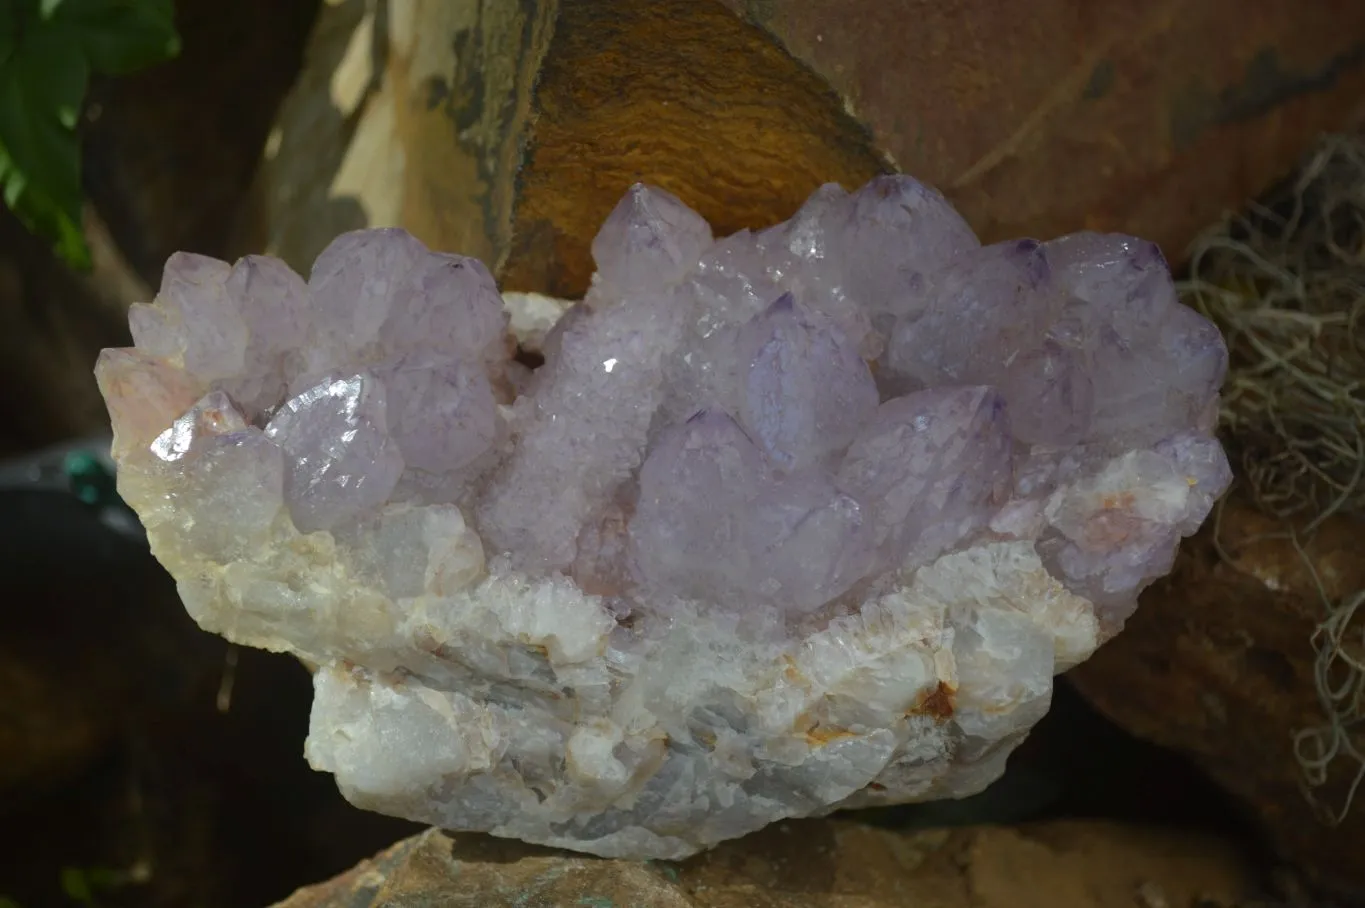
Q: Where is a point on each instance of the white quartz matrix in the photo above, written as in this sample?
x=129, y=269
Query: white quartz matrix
x=794, y=520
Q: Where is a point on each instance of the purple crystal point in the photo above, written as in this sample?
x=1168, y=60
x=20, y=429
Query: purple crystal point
x=1050, y=395
x=1118, y=528
x=342, y=460
x=274, y=302
x=583, y=430
x=1144, y=393
x=211, y=419
x=194, y=319
x=899, y=229
x=805, y=389
x=1124, y=278
x=440, y=412
x=447, y=304
x=383, y=289
x=808, y=541
x=815, y=231
x=144, y=394
x=732, y=283
x=695, y=487
x=1201, y=460
x=931, y=467
x=353, y=286
x=987, y=307
x=650, y=239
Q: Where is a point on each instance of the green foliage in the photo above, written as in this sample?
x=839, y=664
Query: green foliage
x=84, y=885
x=48, y=50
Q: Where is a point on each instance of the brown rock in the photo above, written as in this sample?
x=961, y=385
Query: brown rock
x=680, y=94
x=1040, y=118
x=812, y=864
x=510, y=133
x=1218, y=663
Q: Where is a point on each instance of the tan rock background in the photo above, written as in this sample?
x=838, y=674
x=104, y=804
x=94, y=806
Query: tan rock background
x=813, y=864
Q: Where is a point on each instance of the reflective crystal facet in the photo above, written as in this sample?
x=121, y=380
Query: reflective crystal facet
x=342, y=460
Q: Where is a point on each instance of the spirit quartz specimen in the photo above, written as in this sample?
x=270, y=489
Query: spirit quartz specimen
x=790, y=521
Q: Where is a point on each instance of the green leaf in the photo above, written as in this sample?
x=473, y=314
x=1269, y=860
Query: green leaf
x=76, y=886
x=43, y=217
x=70, y=244
x=120, y=36
x=10, y=16
x=106, y=879
x=48, y=49
x=52, y=68
x=84, y=884
x=42, y=87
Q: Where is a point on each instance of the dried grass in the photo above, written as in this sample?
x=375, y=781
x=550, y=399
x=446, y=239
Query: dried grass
x=1286, y=283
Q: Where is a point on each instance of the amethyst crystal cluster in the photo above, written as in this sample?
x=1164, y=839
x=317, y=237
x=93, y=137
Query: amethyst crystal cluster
x=789, y=521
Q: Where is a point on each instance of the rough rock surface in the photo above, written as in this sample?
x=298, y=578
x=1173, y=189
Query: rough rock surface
x=1142, y=118
x=1218, y=664
x=790, y=521
x=815, y=864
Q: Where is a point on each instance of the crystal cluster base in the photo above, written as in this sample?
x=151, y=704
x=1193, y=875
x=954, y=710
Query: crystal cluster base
x=789, y=521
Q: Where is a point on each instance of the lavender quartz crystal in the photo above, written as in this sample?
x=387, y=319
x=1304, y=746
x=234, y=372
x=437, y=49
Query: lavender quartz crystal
x=789, y=521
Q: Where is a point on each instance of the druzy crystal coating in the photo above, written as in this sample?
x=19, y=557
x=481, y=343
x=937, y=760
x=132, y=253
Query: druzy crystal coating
x=790, y=520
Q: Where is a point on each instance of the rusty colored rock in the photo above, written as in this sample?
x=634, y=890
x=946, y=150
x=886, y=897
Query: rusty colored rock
x=1150, y=118
x=1218, y=664
x=510, y=134
x=812, y=864
x=680, y=94
x=1041, y=118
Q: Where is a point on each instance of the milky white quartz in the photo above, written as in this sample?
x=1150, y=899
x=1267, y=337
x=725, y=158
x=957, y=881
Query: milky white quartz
x=787, y=521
